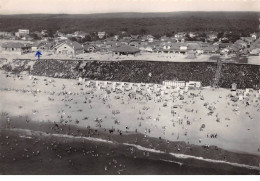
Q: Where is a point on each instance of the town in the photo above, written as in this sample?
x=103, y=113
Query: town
x=179, y=46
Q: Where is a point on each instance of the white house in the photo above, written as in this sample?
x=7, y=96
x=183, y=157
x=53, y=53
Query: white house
x=68, y=48
x=150, y=38
x=183, y=48
x=22, y=32
x=101, y=34
x=254, y=35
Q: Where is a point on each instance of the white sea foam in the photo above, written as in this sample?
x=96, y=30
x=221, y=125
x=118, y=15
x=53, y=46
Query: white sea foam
x=171, y=161
x=28, y=137
x=182, y=156
x=62, y=135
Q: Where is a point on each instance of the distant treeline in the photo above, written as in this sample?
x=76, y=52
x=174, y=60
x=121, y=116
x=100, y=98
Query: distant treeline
x=135, y=23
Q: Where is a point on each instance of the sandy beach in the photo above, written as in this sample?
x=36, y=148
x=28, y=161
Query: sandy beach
x=201, y=117
x=183, y=126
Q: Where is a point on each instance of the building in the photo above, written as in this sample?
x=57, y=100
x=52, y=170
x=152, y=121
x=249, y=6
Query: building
x=26, y=38
x=150, y=38
x=180, y=35
x=174, y=83
x=241, y=43
x=126, y=50
x=193, y=84
x=44, y=32
x=135, y=37
x=233, y=87
x=7, y=35
x=193, y=34
x=224, y=45
x=38, y=45
x=210, y=49
x=194, y=48
x=212, y=36
x=255, y=52
x=254, y=36
x=183, y=48
x=16, y=47
x=89, y=48
x=69, y=48
x=101, y=34
x=22, y=33
x=146, y=48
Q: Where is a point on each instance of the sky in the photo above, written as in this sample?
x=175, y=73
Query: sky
x=108, y=6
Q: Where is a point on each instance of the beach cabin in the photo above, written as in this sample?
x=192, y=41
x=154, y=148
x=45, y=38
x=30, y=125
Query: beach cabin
x=234, y=87
x=126, y=50
x=174, y=83
x=241, y=97
x=186, y=89
x=233, y=93
x=193, y=84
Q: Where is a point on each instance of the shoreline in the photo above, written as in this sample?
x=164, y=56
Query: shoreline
x=73, y=162
x=178, y=150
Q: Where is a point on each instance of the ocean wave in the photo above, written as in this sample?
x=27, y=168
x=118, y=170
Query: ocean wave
x=171, y=161
x=183, y=156
x=27, y=131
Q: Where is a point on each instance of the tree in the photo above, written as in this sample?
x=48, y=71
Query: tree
x=72, y=39
x=233, y=36
x=135, y=32
x=157, y=35
x=111, y=34
x=143, y=31
x=35, y=36
x=203, y=35
x=124, y=29
x=51, y=33
x=220, y=35
x=168, y=34
x=87, y=38
x=215, y=40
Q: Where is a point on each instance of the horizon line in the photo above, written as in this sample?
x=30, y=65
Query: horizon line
x=134, y=12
